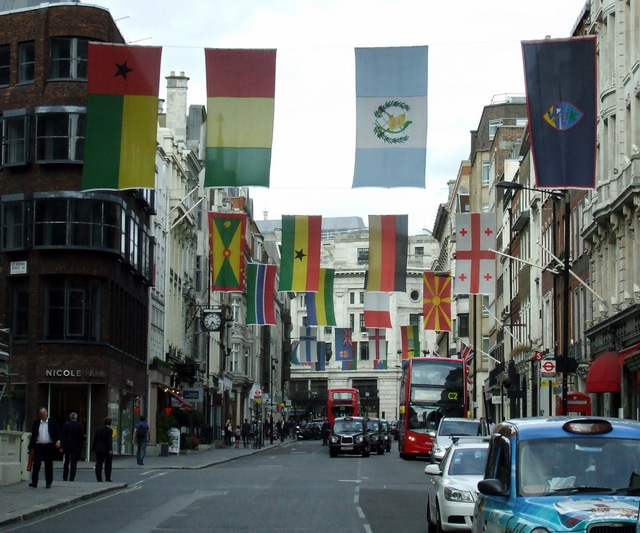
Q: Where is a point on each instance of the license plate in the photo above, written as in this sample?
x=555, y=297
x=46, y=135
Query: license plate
x=347, y=447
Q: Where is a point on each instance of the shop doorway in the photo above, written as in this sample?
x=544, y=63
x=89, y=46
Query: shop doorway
x=66, y=399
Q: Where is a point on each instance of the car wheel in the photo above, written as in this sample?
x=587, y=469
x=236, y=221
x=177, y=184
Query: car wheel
x=333, y=453
x=366, y=451
x=380, y=450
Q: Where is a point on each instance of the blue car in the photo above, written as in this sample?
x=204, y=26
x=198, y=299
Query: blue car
x=561, y=474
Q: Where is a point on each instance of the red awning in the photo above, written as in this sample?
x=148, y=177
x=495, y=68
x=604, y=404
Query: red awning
x=184, y=404
x=604, y=373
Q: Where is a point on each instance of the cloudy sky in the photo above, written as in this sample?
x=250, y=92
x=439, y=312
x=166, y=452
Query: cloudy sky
x=474, y=58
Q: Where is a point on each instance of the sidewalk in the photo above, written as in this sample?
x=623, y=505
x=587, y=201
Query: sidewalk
x=19, y=502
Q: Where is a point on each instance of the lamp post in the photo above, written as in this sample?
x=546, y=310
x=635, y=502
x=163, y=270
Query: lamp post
x=510, y=185
x=274, y=361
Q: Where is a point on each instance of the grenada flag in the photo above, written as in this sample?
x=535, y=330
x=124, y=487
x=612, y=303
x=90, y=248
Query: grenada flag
x=227, y=243
x=122, y=116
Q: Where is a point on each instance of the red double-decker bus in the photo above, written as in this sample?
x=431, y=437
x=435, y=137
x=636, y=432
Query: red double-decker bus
x=342, y=402
x=431, y=387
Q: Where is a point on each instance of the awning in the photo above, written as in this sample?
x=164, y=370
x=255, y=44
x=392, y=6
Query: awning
x=604, y=373
x=183, y=404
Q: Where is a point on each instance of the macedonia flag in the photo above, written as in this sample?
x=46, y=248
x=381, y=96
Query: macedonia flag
x=436, y=301
x=227, y=242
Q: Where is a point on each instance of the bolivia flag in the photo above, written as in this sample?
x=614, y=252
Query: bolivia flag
x=436, y=303
x=122, y=117
x=410, y=341
x=300, y=256
x=227, y=241
x=261, y=281
x=388, y=243
x=240, y=105
x=320, y=310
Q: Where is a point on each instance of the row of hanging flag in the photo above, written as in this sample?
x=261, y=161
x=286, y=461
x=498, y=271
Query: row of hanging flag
x=300, y=269
x=307, y=350
x=391, y=115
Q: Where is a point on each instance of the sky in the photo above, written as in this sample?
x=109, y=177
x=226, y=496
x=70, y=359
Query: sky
x=474, y=59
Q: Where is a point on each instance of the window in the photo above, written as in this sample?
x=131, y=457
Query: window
x=60, y=134
x=419, y=251
x=362, y=325
x=327, y=331
x=363, y=256
x=364, y=351
x=68, y=58
x=352, y=297
x=463, y=325
x=234, y=358
x=493, y=127
x=303, y=301
x=5, y=64
x=26, y=61
x=15, y=134
x=352, y=321
x=414, y=319
x=71, y=308
x=485, y=172
x=19, y=307
x=305, y=321
x=14, y=224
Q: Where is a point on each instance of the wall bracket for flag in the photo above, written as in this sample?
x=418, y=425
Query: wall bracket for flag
x=552, y=270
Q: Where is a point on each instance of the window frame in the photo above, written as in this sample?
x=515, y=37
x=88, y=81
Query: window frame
x=48, y=141
x=5, y=65
x=16, y=139
x=76, y=63
x=26, y=62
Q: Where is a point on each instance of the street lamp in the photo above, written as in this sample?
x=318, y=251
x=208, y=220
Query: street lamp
x=514, y=186
x=274, y=362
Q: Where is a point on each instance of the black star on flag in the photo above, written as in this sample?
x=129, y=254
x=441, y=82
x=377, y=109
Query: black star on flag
x=300, y=255
x=122, y=69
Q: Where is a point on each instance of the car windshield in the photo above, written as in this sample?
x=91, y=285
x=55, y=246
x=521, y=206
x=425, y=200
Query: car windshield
x=567, y=465
x=347, y=426
x=373, y=425
x=460, y=427
x=468, y=462
x=423, y=418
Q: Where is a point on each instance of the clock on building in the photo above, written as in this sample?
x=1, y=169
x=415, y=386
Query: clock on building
x=212, y=320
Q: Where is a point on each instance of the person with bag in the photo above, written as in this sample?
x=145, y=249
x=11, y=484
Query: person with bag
x=141, y=433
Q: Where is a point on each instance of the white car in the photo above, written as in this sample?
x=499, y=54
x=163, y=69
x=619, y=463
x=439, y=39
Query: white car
x=452, y=486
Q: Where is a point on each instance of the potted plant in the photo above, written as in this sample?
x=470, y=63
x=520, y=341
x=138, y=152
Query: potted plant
x=164, y=422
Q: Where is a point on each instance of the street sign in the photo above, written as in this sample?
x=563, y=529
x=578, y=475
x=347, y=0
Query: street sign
x=548, y=366
x=257, y=393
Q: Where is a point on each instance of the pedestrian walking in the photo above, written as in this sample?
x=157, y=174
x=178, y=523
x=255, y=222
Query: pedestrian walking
x=237, y=435
x=228, y=432
x=44, y=441
x=103, y=448
x=246, y=433
x=71, y=440
x=325, y=431
x=141, y=433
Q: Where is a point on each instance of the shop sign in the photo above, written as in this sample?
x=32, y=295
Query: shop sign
x=69, y=373
x=192, y=394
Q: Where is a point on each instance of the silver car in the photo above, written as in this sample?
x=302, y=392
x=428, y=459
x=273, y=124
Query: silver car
x=451, y=427
x=452, y=486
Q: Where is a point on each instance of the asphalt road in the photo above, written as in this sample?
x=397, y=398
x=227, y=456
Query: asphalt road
x=295, y=487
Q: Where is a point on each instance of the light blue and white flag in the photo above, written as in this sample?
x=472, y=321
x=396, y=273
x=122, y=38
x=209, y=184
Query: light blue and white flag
x=308, y=345
x=391, y=117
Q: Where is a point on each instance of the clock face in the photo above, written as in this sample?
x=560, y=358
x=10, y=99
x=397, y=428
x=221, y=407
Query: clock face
x=212, y=321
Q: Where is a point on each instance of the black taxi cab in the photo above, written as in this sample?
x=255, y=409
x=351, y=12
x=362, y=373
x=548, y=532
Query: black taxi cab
x=350, y=435
x=560, y=474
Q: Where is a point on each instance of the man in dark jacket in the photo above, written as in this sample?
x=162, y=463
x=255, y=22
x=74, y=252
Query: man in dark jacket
x=71, y=444
x=103, y=447
x=246, y=433
x=45, y=439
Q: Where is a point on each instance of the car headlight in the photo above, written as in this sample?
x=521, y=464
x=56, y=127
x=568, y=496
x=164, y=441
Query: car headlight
x=334, y=439
x=359, y=439
x=456, y=495
x=375, y=437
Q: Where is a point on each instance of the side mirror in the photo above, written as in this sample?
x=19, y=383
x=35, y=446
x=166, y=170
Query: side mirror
x=493, y=487
x=432, y=469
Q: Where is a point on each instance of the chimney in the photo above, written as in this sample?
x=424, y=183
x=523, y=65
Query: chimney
x=177, y=105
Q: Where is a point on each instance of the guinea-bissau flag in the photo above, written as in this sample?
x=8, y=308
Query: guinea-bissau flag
x=388, y=244
x=560, y=78
x=122, y=116
x=300, y=253
x=261, y=283
x=227, y=243
x=436, y=301
x=410, y=341
x=320, y=309
x=240, y=106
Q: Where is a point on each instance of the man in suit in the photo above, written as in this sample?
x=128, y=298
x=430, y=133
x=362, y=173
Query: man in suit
x=45, y=439
x=103, y=446
x=71, y=444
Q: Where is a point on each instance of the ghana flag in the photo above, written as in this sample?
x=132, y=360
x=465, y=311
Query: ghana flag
x=240, y=105
x=122, y=117
x=227, y=240
x=388, y=243
x=300, y=255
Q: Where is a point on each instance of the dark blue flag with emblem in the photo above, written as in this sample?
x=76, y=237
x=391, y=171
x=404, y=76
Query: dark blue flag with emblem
x=560, y=78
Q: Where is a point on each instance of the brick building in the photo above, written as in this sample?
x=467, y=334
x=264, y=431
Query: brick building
x=75, y=267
